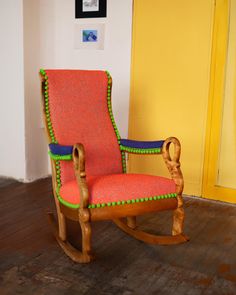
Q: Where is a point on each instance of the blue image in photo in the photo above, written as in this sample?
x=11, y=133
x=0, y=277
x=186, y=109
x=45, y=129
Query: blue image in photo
x=90, y=35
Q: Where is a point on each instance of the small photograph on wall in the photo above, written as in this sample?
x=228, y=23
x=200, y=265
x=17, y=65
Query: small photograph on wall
x=90, y=5
x=89, y=36
x=90, y=8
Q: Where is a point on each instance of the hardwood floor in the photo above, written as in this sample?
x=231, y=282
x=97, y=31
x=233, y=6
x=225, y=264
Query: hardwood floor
x=32, y=263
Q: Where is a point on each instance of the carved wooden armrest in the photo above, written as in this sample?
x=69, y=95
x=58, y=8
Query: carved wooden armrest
x=78, y=156
x=173, y=163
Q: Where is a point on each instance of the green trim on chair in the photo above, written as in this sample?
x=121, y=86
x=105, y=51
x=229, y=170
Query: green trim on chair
x=140, y=151
x=60, y=157
x=47, y=109
x=109, y=86
x=118, y=203
x=49, y=126
x=110, y=107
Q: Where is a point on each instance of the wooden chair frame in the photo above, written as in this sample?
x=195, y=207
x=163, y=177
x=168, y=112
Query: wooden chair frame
x=85, y=215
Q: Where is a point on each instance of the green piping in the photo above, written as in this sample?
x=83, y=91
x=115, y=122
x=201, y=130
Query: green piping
x=60, y=157
x=123, y=161
x=73, y=206
x=47, y=109
x=50, y=129
x=118, y=203
x=109, y=86
x=140, y=151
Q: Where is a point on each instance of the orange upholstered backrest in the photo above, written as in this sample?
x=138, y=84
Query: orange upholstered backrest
x=79, y=114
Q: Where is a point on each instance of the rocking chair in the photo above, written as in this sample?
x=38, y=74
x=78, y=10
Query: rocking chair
x=80, y=125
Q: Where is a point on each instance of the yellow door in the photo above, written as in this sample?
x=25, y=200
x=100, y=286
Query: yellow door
x=170, y=82
x=219, y=181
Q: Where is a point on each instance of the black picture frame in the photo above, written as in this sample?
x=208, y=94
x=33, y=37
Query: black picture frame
x=102, y=10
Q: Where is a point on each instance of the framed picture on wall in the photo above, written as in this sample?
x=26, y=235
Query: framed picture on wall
x=90, y=8
x=89, y=36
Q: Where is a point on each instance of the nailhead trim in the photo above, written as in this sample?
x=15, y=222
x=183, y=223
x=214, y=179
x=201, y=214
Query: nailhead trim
x=47, y=110
x=51, y=131
x=58, y=174
x=113, y=120
x=118, y=203
x=123, y=161
x=140, y=151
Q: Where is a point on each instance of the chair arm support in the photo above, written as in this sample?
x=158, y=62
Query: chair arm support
x=173, y=165
x=79, y=167
x=141, y=147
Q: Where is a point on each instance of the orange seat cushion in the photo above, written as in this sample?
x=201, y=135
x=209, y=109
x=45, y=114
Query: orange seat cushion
x=115, y=188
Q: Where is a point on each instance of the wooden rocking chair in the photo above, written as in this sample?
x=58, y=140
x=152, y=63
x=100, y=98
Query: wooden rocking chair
x=80, y=125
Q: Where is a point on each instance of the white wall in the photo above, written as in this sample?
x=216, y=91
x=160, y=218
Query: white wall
x=58, y=36
x=49, y=29
x=12, y=129
x=36, y=147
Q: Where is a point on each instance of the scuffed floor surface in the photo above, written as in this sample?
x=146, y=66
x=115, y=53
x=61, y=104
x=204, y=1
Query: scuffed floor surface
x=32, y=263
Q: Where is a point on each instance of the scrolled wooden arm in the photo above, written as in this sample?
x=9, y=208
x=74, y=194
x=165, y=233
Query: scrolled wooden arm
x=173, y=164
x=79, y=167
x=78, y=156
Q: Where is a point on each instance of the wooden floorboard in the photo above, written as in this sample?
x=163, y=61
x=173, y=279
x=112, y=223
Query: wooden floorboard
x=6, y=182
x=32, y=263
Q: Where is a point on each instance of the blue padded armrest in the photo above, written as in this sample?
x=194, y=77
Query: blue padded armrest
x=60, y=152
x=142, y=144
x=142, y=147
x=59, y=149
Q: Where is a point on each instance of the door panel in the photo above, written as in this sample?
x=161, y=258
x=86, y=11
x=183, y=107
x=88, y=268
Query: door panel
x=220, y=154
x=227, y=155
x=171, y=55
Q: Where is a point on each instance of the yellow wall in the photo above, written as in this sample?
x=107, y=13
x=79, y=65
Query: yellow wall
x=170, y=81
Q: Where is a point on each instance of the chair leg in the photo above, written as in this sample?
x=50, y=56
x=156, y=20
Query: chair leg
x=59, y=232
x=61, y=226
x=86, y=239
x=131, y=222
x=61, y=222
x=178, y=221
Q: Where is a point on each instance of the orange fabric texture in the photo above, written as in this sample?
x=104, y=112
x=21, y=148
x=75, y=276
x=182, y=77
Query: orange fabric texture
x=118, y=187
x=79, y=114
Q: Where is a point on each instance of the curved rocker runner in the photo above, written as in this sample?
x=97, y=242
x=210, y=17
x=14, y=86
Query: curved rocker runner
x=79, y=122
